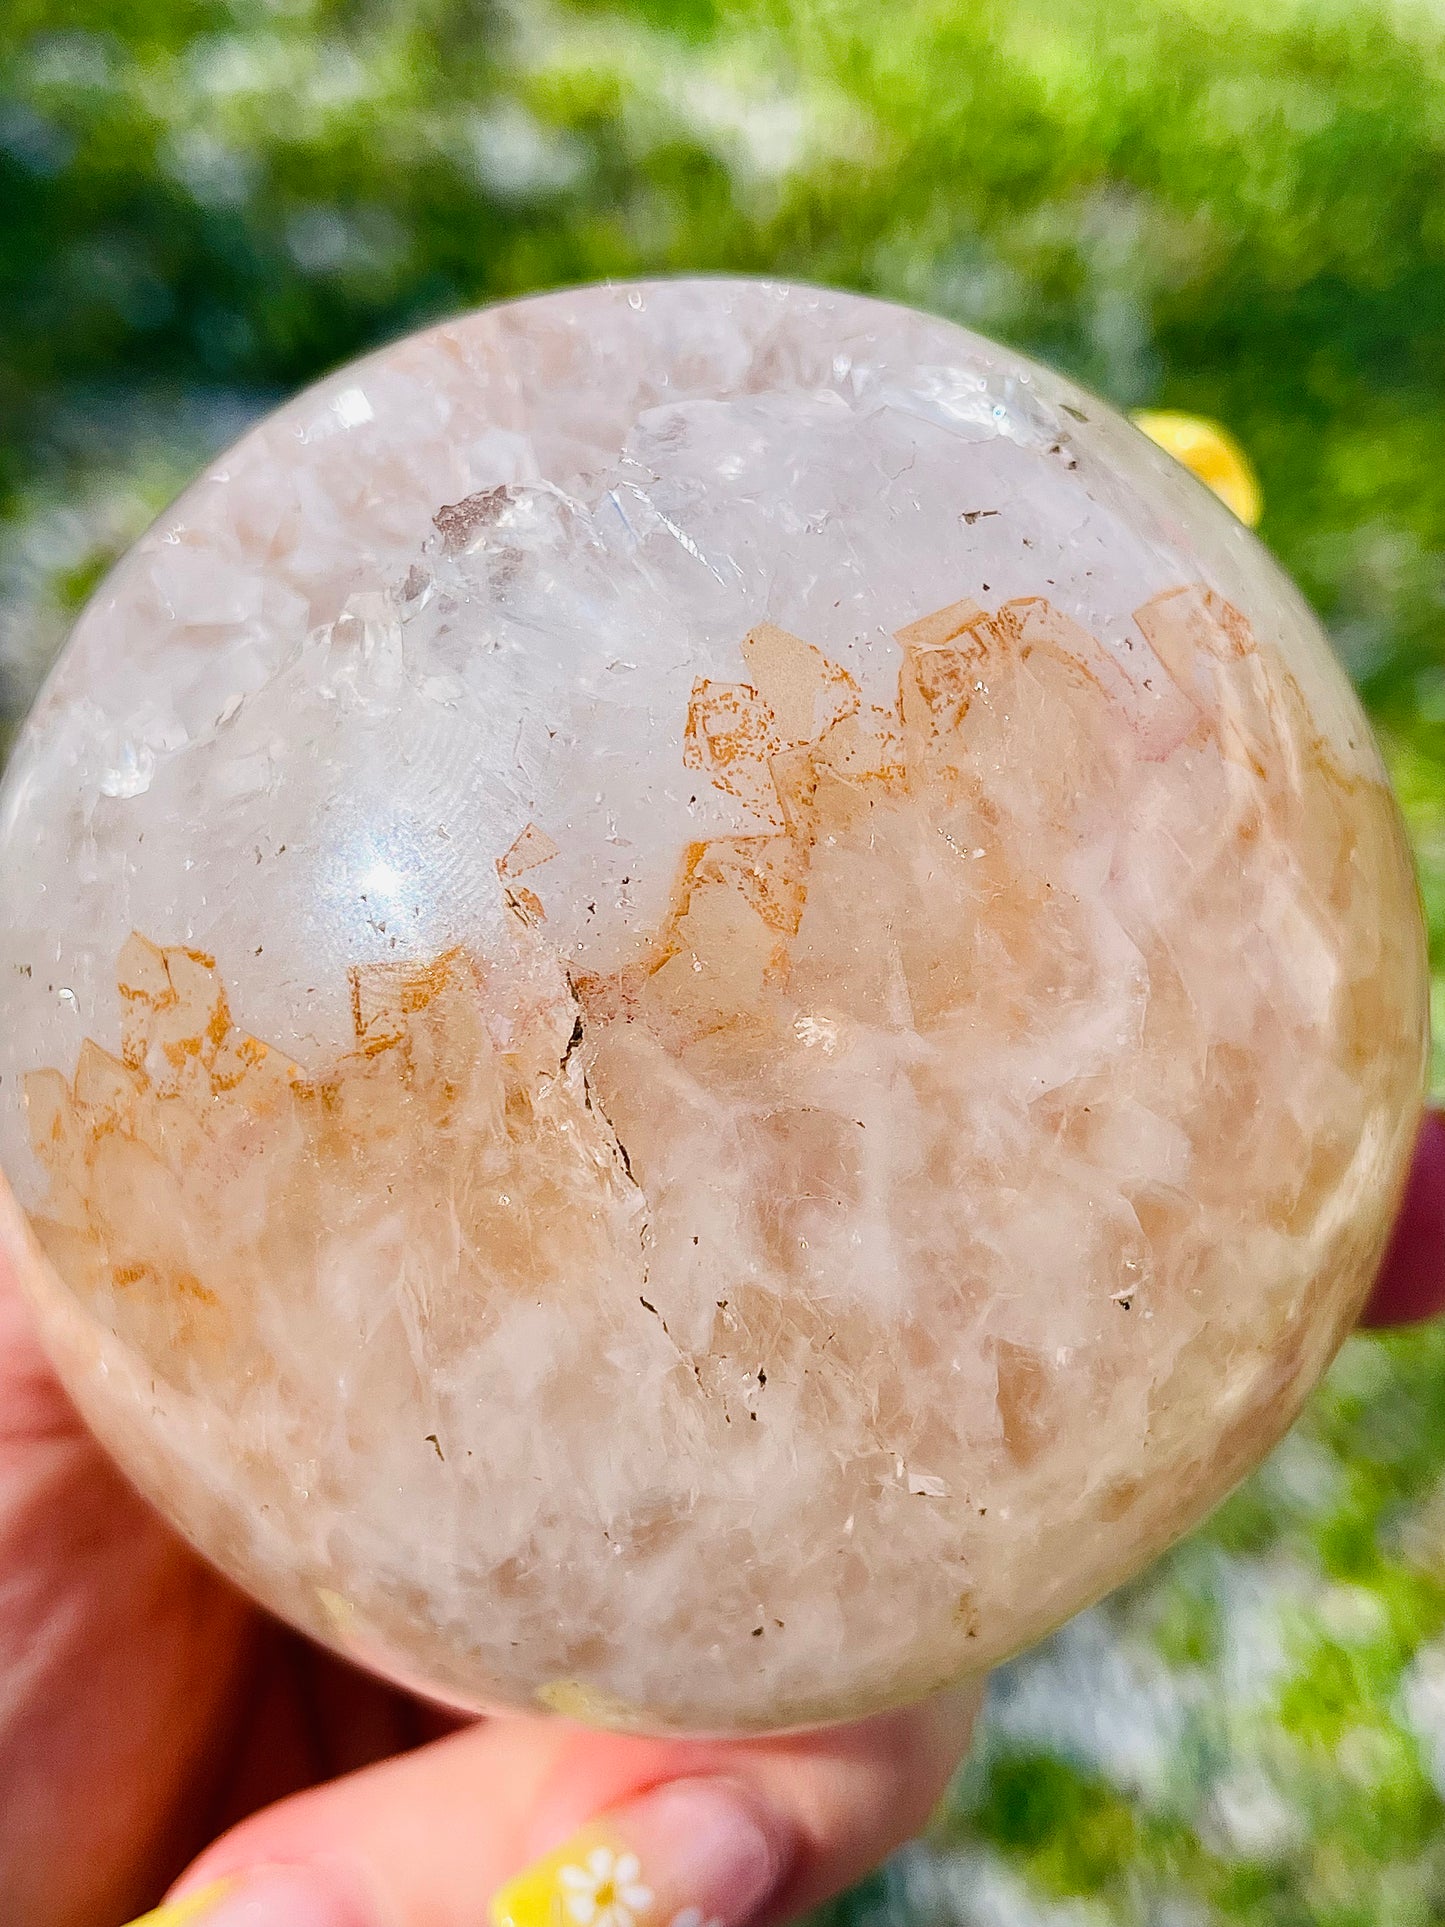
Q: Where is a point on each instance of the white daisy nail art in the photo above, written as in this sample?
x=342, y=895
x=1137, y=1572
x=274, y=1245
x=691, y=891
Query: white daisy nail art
x=692, y=1917
x=606, y=1890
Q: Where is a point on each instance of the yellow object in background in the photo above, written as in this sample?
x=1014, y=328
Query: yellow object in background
x=1211, y=453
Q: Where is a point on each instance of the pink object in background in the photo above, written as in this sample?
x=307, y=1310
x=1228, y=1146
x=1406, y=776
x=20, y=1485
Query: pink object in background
x=1412, y=1278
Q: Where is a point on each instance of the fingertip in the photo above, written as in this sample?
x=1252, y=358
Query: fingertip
x=503, y=1821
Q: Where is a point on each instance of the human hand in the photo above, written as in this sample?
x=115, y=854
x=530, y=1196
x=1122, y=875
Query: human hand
x=147, y=1710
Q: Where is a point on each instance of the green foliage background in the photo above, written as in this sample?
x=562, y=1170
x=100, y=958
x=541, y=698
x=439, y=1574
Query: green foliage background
x=1220, y=205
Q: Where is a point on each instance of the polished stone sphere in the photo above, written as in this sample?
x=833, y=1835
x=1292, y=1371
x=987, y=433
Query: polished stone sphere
x=709, y=1000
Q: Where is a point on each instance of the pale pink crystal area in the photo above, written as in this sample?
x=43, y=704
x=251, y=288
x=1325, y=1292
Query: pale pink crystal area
x=748, y=1278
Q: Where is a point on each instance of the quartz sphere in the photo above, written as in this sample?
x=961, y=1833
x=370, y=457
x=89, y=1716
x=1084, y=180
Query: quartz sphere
x=709, y=1000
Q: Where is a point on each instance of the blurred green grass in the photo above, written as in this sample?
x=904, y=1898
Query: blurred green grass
x=1214, y=206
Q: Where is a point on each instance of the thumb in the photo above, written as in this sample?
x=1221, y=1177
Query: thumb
x=550, y=1826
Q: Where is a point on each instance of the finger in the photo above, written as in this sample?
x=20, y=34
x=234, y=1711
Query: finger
x=1411, y=1284
x=546, y=1823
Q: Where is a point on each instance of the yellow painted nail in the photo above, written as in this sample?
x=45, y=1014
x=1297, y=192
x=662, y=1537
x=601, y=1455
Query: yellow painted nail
x=693, y=1853
x=1211, y=453
x=188, y=1909
x=593, y=1879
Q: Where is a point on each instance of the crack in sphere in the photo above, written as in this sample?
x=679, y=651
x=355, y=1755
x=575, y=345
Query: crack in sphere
x=756, y=1026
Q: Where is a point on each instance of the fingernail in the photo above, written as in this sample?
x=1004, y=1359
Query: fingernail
x=181, y=1913
x=695, y=1853
x=185, y=1910
x=267, y=1897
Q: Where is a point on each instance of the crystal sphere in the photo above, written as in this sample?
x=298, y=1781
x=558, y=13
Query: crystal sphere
x=708, y=1001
